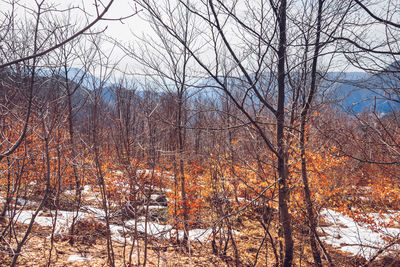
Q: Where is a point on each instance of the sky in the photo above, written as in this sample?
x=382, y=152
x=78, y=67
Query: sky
x=122, y=31
x=120, y=8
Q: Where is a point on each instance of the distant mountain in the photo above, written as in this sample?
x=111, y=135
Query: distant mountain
x=352, y=91
x=76, y=75
x=395, y=66
x=359, y=91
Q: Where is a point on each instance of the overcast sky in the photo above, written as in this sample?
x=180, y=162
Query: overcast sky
x=122, y=31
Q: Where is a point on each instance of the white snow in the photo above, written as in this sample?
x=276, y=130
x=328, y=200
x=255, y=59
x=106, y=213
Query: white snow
x=85, y=190
x=145, y=172
x=152, y=228
x=198, y=234
x=79, y=258
x=69, y=192
x=64, y=220
x=345, y=233
x=116, y=232
x=156, y=207
x=120, y=173
x=27, y=203
x=154, y=196
x=353, y=237
x=98, y=213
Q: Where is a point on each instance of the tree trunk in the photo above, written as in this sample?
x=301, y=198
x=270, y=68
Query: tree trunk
x=282, y=151
x=182, y=172
x=309, y=205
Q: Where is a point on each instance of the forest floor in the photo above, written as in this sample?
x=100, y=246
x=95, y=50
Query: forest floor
x=91, y=250
x=349, y=243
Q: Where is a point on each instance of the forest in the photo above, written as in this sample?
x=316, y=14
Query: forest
x=222, y=133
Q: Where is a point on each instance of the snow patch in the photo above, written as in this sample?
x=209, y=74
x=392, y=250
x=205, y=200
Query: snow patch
x=353, y=237
x=79, y=258
x=64, y=220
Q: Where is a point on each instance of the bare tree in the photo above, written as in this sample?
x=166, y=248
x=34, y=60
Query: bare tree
x=168, y=63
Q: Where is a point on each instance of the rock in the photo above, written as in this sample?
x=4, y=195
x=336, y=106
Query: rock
x=159, y=199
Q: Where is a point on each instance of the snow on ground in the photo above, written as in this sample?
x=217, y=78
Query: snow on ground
x=198, y=234
x=64, y=220
x=23, y=202
x=167, y=231
x=353, y=237
x=85, y=191
x=156, y=207
x=146, y=172
x=152, y=228
x=79, y=258
x=98, y=213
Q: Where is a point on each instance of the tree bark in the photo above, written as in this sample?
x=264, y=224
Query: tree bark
x=280, y=135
